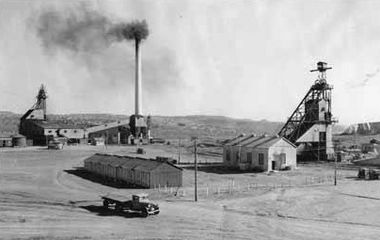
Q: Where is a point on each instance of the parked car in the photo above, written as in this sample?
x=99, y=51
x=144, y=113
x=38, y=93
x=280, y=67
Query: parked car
x=55, y=145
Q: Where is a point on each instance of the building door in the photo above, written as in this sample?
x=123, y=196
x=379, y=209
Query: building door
x=273, y=165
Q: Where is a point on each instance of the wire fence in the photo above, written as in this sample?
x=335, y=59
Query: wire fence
x=234, y=187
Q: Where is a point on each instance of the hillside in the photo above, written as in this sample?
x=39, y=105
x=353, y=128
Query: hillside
x=369, y=128
x=173, y=127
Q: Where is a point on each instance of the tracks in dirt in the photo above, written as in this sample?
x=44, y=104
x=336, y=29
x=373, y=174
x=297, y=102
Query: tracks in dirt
x=288, y=217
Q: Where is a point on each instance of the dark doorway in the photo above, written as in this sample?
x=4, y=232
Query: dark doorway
x=273, y=165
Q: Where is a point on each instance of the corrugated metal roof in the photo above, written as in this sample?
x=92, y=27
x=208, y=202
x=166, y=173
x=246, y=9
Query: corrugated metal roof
x=239, y=139
x=138, y=163
x=251, y=140
x=106, y=126
x=55, y=125
x=268, y=142
x=260, y=141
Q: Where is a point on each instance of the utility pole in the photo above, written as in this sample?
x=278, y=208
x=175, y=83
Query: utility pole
x=179, y=150
x=336, y=163
x=195, y=170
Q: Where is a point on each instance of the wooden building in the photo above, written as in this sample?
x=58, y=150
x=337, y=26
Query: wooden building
x=5, y=141
x=112, y=133
x=40, y=131
x=35, y=126
x=263, y=152
x=144, y=172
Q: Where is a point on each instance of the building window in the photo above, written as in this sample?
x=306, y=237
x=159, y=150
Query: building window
x=75, y=131
x=261, y=158
x=50, y=131
x=322, y=136
x=249, y=157
x=65, y=131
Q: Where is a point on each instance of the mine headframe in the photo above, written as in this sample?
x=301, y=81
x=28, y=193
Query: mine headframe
x=41, y=98
x=315, y=108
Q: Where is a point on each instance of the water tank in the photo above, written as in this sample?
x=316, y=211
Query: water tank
x=19, y=140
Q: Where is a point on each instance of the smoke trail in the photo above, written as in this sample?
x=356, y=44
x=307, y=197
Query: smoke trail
x=87, y=37
x=82, y=30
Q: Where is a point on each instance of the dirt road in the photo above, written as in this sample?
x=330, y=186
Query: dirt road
x=39, y=200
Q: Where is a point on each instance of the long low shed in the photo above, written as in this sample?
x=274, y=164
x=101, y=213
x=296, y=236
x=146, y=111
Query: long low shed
x=144, y=172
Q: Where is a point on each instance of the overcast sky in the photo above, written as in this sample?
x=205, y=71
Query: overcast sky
x=243, y=59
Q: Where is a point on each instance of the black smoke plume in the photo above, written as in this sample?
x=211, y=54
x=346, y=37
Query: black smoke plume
x=82, y=30
x=89, y=38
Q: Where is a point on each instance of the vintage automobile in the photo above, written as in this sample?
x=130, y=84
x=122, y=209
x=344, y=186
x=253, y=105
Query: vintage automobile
x=55, y=145
x=139, y=203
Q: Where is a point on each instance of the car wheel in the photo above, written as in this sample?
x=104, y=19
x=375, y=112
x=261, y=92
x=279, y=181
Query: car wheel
x=144, y=213
x=118, y=208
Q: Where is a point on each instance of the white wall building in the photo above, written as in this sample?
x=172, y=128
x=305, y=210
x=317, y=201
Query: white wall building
x=264, y=153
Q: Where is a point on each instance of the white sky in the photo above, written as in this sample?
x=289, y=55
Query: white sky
x=244, y=59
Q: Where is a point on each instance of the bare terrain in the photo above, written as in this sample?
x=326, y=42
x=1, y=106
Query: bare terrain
x=41, y=199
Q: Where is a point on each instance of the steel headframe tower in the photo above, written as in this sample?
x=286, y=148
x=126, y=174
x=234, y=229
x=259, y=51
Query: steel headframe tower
x=41, y=100
x=310, y=125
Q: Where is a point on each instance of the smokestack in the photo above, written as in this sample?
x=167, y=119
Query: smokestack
x=138, y=92
x=137, y=31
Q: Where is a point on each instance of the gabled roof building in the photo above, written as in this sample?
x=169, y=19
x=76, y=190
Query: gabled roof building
x=143, y=172
x=263, y=153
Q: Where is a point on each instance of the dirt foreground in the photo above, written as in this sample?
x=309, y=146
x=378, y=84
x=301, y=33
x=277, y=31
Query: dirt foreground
x=39, y=200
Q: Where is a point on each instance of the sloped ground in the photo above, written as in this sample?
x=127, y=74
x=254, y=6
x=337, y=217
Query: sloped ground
x=38, y=200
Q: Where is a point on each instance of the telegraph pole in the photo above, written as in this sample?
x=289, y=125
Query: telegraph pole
x=179, y=150
x=195, y=170
x=336, y=163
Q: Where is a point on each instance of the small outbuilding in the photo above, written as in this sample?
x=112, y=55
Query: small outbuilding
x=18, y=140
x=5, y=141
x=144, y=172
x=263, y=153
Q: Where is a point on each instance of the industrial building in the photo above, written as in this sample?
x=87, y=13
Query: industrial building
x=112, y=133
x=264, y=153
x=5, y=141
x=35, y=126
x=16, y=140
x=143, y=172
x=310, y=125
